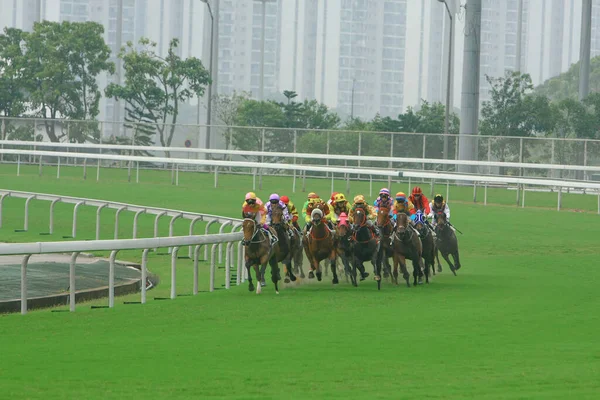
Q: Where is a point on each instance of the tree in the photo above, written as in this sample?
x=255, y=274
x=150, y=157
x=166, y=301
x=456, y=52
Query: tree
x=226, y=109
x=253, y=113
x=62, y=64
x=12, y=62
x=155, y=86
x=315, y=115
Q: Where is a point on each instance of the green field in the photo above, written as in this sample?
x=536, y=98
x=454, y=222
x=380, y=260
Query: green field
x=519, y=321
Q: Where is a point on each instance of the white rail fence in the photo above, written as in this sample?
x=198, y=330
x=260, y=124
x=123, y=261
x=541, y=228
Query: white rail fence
x=174, y=243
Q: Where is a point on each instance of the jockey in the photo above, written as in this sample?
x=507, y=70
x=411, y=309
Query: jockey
x=328, y=211
x=292, y=210
x=273, y=201
x=359, y=202
x=402, y=205
x=419, y=201
x=438, y=206
x=340, y=205
x=254, y=205
x=311, y=196
x=383, y=200
x=332, y=199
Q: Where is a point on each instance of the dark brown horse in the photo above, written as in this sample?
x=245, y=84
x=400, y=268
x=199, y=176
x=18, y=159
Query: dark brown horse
x=318, y=246
x=446, y=242
x=258, y=252
x=384, y=223
x=406, y=244
x=288, y=243
x=429, y=247
x=344, y=247
x=366, y=245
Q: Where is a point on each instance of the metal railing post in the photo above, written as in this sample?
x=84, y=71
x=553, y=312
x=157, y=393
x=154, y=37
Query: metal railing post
x=75, y=209
x=240, y=266
x=111, y=279
x=119, y=210
x=98, y=220
x=156, y=225
x=84, y=168
x=2, y=196
x=171, y=228
x=559, y=198
x=213, y=257
x=523, y=198
x=26, y=219
x=98, y=172
x=24, y=262
x=40, y=166
x=174, y=271
x=192, y=233
x=144, y=275
x=51, y=224
x=206, y=228
x=485, y=185
x=72, y=281
x=135, y=222
x=58, y=168
x=221, y=230
x=19, y=165
x=196, y=259
x=216, y=177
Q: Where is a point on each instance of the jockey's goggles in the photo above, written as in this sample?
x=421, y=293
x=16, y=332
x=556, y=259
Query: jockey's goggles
x=251, y=201
x=274, y=201
x=417, y=195
x=400, y=199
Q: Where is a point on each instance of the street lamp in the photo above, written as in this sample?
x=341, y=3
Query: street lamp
x=448, y=84
x=209, y=105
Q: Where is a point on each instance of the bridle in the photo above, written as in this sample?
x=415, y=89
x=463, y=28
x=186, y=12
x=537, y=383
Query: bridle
x=254, y=233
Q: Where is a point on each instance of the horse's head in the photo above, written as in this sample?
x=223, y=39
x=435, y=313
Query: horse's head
x=276, y=214
x=343, y=229
x=440, y=219
x=316, y=216
x=383, y=216
x=249, y=227
x=402, y=225
x=360, y=218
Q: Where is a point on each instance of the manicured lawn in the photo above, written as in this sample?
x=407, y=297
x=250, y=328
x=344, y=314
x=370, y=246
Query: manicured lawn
x=519, y=321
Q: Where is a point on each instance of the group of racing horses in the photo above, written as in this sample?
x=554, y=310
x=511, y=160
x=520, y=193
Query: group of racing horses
x=353, y=244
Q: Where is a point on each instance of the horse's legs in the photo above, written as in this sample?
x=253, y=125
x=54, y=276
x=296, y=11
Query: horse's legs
x=263, y=268
x=437, y=257
x=395, y=273
x=250, y=284
x=349, y=270
x=425, y=264
x=456, y=258
x=333, y=271
x=404, y=270
x=445, y=255
x=258, y=278
x=318, y=273
x=274, y=273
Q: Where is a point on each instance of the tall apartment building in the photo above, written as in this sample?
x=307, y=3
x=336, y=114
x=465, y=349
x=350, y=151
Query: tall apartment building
x=499, y=40
x=240, y=27
x=595, y=49
x=371, y=64
x=309, y=49
x=557, y=29
x=20, y=14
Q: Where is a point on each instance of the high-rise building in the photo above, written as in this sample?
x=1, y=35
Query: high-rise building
x=557, y=23
x=309, y=49
x=371, y=64
x=499, y=40
x=240, y=28
x=20, y=14
x=595, y=46
x=75, y=10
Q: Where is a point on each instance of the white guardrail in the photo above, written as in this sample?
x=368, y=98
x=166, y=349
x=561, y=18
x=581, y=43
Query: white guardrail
x=174, y=243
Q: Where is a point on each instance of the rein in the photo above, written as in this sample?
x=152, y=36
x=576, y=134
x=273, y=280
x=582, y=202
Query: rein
x=256, y=231
x=312, y=233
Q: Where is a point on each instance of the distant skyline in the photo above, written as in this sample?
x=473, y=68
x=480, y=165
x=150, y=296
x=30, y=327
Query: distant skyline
x=559, y=45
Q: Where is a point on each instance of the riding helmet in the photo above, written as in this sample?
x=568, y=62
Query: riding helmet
x=438, y=198
x=417, y=190
x=285, y=199
x=250, y=196
x=359, y=199
x=274, y=197
x=384, y=191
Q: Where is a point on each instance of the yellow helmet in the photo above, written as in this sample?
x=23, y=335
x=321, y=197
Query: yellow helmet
x=359, y=199
x=340, y=198
x=313, y=195
x=250, y=196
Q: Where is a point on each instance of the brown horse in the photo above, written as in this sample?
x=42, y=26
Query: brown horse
x=406, y=244
x=429, y=247
x=288, y=242
x=447, y=243
x=258, y=252
x=318, y=246
x=344, y=247
x=366, y=245
x=384, y=223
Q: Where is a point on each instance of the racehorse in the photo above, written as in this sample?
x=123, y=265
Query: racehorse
x=384, y=223
x=318, y=246
x=258, y=251
x=429, y=247
x=366, y=245
x=287, y=243
x=344, y=247
x=447, y=243
x=406, y=244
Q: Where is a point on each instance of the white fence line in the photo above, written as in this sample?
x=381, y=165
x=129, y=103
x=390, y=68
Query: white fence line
x=173, y=242
x=327, y=157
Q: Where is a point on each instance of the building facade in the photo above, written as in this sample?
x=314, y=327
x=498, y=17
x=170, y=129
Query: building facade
x=371, y=64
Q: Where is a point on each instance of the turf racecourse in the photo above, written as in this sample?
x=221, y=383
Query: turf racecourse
x=520, y=321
